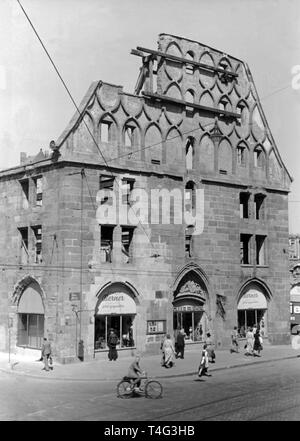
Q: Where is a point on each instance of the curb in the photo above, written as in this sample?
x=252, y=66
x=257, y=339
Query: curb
x=161, y=377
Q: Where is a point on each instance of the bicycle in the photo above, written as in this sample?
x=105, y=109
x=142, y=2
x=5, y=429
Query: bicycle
x=127, y=388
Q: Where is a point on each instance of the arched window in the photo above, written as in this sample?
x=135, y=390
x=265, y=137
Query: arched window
x=189, y=96
x=131, y=135
x=30, y=318
x=259, y=157
x=107, y=129
x=189, y=153
x=189, y=231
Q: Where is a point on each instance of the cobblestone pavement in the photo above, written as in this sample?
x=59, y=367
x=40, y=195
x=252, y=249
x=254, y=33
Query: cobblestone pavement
x=269, y=391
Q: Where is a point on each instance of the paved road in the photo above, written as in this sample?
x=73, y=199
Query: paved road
x=269, y=391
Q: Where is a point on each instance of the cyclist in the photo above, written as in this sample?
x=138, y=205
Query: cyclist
x=135, y=373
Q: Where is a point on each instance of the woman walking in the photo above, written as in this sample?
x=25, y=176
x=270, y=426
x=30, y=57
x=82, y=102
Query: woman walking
x=249, y=344
x=169, y=352
x=203, y=367
x=257, y=346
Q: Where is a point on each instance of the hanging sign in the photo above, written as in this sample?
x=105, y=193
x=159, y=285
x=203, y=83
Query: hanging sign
x=253, y=299
x=117, y=303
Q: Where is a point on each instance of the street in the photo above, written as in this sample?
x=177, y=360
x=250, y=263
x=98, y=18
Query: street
x=268, y=391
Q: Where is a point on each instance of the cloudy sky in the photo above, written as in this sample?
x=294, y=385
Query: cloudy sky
x=91, y=40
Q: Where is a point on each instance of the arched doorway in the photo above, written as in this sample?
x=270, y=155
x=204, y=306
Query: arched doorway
x=31, y=317
x=189, y=307
x=252, y=308
x=115, y=309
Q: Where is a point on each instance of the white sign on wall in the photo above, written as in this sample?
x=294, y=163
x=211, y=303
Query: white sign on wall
x=117, y=303
x=253, y=299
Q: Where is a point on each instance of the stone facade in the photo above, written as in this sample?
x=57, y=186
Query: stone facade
x=194, y=122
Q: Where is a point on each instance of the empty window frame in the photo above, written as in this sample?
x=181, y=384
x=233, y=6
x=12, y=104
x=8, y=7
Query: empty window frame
x=245, y=249
x=190, y=196
x=241, y=156
x=260, y=250
x=244, y=205
x=258, y=157
x=127, y=187
x=37, y=230
x=129, y=136
x=259, y=203
x=189, y=153
x=38, y=183
x=106, y=182
x=24, y=254
x=188, y=240
x=25, y=193
x=106, y=242
x=105, y=131
x=127, y=236
x=223, y=104
x=189, y=68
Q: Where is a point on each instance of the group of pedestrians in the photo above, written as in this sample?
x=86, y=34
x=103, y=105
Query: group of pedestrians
x=254, y=341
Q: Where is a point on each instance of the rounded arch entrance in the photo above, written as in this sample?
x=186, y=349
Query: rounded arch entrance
x=29, y=298
x=252, y=306
x=116, y=309
x=191, y=303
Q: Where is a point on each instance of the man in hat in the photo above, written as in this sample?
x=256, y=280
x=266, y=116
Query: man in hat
x=112, y=342
x=46, y=353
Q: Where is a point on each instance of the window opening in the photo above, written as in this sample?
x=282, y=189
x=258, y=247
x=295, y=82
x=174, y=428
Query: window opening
x=106, y=244
x=105, y=131
x=260, y=250
x=127, y=236
x=189, y=153
x=129, y=136
x=245, y=249
x=258, y=157
x=188, y=240
x=30, y=330
x=259, y=206
x=127, y=187
x=241, y=156
x=244, y=205
x=24, y=245
x=106, y=183
x=25, y=193
x=38, y=190
x=38, y=243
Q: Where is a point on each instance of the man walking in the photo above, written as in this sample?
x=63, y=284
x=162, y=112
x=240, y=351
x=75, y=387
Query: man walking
x=180, y=344
x=46, y=353
x=112, y=342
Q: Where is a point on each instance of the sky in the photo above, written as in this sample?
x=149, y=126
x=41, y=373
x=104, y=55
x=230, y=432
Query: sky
x=91, y=40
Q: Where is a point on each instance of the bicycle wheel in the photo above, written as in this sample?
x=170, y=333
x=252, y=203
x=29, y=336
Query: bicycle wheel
x=153, y=389
x=124, y=389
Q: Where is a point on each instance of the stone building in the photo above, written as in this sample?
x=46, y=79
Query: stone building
x=72, y=270
x=294, y=255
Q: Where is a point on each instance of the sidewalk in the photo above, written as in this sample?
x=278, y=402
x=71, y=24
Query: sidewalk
x=104, y=370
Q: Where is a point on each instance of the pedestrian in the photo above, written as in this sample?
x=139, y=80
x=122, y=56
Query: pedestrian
x=257, y=346
x=112, y=342
x=249, y=342
x=180, y=344
x=169, y=352
x=46, y=354
x=162, y=352
x=203, y=367
x=176, y=332
x=254, y=329
x=210, y=348
x=234, y=341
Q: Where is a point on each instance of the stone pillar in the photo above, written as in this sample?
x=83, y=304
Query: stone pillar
x=117, y=245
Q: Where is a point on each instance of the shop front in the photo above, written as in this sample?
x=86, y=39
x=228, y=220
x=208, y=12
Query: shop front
x=252, y=310
x=116, y=309
x=189, y=311
x=295, y=309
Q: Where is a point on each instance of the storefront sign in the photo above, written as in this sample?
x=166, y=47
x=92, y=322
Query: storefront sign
x=188, y=308
x=117, y=303
x=253, y=299
x=156, y=327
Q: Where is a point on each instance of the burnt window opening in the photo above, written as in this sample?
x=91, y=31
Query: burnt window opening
x=245, y=249
x=259, y=202
x=260, y=250
x=105, y=131
x=106, y=243
x=106, y=182
x=37, y=230
x=25, y=193
x=38, y=183
x=241, y=156
x=190, y=196
x=189, y=68
x=244, y=205
x=126, y=188
x=129, y=136
x=189, y=153
x=258, y=157
x=127, y=243
x=188, y=240
x=24, y=256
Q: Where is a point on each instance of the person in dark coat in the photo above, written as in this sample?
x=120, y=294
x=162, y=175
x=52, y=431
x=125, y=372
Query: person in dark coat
x=257, y=347
x=180, y=345
x=112, y=342
x=46, y=353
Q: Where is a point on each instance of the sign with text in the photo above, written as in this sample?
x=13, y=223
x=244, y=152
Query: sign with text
x=156, y=327
x=117, y=303
x=253, y=299
x=74, y=296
